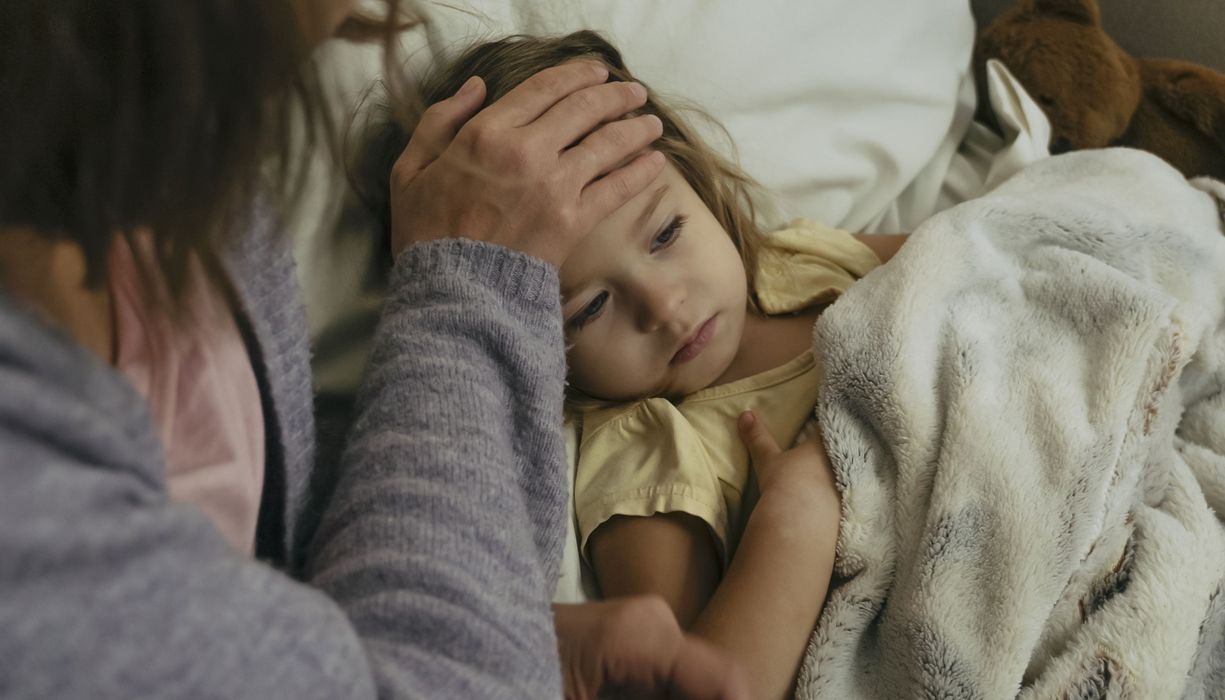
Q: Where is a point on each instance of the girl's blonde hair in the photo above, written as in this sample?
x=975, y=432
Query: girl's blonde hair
x=504, y=64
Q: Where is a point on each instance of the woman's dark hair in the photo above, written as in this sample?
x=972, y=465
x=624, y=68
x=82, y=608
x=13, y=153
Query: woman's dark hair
x=161, y=115
x=504, y=64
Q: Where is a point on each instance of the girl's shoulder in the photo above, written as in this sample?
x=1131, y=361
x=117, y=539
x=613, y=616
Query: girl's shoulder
x=807, y=237
x=807, y=263
x=644, y=458
x=635, y=419
x=635, y=446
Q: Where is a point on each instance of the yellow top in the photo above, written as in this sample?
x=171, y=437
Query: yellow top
x=655, y=456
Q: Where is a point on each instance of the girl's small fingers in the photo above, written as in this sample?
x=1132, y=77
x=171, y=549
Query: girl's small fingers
x=757, y=438
x=438, y=127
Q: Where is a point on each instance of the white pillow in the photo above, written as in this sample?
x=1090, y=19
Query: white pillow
x=835, y=106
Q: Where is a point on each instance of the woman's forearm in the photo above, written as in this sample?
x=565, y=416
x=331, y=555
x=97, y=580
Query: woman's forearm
x=450, y=513
x=768, y=602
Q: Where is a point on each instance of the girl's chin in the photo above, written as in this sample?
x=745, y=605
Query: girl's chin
x=724, y=372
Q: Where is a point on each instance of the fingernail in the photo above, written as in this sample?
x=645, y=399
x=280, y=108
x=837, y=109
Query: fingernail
x=656, y=158
x=600, y=70
x=468, y=86
x=639, y=91
x=746, y=420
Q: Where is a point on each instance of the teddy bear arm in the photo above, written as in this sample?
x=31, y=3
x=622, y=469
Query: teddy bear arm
x=1192, y=92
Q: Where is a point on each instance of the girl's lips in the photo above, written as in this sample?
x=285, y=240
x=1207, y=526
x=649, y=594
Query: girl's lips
x=697, y=343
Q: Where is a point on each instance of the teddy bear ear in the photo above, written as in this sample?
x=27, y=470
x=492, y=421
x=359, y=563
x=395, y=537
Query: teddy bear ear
x=1083, y=11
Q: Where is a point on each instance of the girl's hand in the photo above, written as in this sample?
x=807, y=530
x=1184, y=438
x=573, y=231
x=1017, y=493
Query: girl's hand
x=800, y=477
x=535, y=171
x=635, y=646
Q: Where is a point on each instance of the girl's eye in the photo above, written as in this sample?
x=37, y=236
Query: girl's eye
x=589, y=312
x=669, y=235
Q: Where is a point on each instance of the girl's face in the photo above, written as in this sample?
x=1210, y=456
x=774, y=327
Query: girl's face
x=654, y=299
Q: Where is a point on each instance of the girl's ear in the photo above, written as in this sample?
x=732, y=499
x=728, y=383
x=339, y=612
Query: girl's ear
x=1083, y=11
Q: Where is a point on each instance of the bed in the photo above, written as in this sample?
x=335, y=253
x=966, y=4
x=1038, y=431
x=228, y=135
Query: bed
x=875, y=95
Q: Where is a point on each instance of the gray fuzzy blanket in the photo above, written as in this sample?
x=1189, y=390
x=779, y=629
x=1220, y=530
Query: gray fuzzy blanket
x=1025, y=411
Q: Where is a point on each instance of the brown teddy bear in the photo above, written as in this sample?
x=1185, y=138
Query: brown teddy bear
x=1096, y=95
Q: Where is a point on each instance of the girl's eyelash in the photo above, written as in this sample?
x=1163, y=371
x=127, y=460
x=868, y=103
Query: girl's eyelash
x=589, y=312
x=669, y=235
x=662, y=240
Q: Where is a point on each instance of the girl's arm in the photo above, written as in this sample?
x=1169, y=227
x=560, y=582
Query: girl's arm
x=764, y=609
x=885, y=245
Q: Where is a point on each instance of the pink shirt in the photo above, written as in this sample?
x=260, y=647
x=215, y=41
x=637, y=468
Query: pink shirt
x=202, y=392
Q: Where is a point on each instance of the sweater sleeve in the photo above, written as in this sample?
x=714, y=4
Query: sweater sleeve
x=443, y=538
x=108, y=589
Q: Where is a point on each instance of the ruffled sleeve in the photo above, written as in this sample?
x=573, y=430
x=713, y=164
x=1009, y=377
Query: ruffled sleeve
x=642, y=460
x=808, y=263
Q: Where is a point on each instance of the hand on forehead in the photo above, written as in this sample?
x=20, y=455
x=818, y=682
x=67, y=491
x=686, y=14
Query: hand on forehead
x=507, y=173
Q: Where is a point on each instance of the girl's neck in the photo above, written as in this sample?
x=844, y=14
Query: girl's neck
x=768, y=342
x=49, y=276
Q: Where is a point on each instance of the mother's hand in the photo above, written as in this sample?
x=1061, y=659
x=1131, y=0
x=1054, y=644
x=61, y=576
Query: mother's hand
x=633, y=647
x=535, y=171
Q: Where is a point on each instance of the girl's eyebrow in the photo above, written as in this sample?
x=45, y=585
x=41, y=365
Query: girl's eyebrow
x=650, y=208
x=639, y=224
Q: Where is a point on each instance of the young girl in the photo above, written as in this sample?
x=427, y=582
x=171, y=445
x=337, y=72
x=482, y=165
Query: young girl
x=683, y=320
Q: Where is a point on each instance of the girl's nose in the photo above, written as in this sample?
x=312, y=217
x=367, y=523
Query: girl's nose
x=660, y=304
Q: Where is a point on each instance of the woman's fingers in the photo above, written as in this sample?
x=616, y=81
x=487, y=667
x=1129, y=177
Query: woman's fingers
x=482, y=177
x=611, y=145
x=534, y=96
x=578, y=114
x=703, y=673
x=607, y=194
x=601, y=160
x=634, y=647
x=437, y=129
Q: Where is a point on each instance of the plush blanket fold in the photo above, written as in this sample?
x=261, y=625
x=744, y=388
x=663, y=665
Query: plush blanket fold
x=1026, y=415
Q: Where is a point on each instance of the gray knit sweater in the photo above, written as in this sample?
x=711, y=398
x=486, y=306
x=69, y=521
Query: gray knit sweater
x=431, y=564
